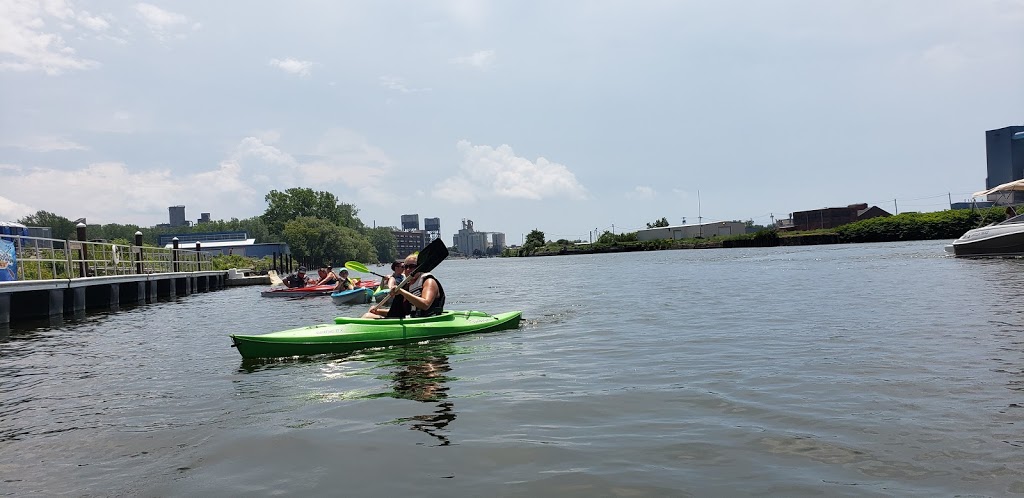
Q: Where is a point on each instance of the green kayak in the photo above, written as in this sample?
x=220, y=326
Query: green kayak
x=350, y=334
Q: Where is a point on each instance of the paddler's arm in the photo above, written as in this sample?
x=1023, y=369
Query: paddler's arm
x=424, y=302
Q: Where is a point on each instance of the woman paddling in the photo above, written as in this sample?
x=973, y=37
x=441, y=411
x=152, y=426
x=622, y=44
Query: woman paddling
x=327, y=276
x=422, y=296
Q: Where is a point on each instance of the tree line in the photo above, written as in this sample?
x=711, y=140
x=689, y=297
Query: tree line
x=316, y=225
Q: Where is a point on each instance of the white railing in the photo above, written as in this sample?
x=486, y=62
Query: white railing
x=43, y=259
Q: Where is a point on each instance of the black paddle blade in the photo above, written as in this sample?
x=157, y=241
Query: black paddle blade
x=431, y=256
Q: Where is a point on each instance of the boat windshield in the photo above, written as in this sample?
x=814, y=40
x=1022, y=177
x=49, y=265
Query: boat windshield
x=1016, y=219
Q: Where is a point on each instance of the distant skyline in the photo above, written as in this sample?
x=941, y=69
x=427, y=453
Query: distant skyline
x=561, y=116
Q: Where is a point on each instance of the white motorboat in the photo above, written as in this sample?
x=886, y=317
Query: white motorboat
x=1005, y=238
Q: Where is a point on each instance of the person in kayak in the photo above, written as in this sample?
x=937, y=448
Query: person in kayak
x=395, y=278
x=344, y=283
x=297, y=279
x=422, y=296
x=328, y=276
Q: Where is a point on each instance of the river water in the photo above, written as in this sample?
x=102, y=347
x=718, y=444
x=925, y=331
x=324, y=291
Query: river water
x=843, y=370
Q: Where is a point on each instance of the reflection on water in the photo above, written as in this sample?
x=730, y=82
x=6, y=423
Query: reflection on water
x=417, y=372
x=420, y=373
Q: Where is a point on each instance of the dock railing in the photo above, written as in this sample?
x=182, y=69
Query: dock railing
x=39, y=258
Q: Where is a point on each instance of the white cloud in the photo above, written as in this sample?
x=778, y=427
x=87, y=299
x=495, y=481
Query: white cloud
x=10, y=210
x=457, y=190
x=115, y=193
x=95, y=23
x=641, y=193
x=27, y=45
x=254, y=147
x=483, y=60
x=164, y=24
x=46, y=144
x=396, y=84
x=487, y=171
x=339, y=156
x=268, y=136
x=293, y=66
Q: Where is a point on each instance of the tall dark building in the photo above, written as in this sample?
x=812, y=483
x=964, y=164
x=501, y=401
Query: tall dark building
x=1004, y=149
x=410, y=222
x=409, y=241
x=177, y=215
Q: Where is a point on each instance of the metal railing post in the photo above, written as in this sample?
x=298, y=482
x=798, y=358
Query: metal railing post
x=84, y=251
x=67, y=258
x=174, y=255
x=137, y=252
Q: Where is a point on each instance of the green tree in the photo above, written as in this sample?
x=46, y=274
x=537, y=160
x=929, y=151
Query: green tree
x=535, y=237
x=321, y=241
x=305, y=202
x=113, y=231
x=383, y=240
x=61, y=227
x=663, y=222
x=611, y=238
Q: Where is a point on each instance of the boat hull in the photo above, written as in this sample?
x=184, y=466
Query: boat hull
x=361, y=295
x=313, y=290
x=352, y=334
x=994, y=240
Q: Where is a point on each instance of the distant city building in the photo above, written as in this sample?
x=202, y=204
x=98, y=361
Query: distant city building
x=498, y=240
x=1004, y=150
x=41, y=232
x=470, y=242
x=972, y=205
x=833, y=217
x=237, y=243
x=192, y=238
x=410, y=222
x=203, y=218
x=177, y=215
x=409, y=241
x=705, y=230
x=433, y=228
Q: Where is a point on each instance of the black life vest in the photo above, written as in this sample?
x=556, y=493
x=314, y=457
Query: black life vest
x=401, y=307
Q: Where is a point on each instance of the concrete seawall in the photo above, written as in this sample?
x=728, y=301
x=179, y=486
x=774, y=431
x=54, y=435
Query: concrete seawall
x=40, y=299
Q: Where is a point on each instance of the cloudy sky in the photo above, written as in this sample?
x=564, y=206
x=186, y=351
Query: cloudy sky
x=565, y=116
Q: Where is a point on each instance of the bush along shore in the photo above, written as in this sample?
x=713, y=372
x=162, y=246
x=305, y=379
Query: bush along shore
x=939, y=225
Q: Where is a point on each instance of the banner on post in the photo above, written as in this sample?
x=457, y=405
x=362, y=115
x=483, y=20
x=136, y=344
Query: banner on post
x=8, y=262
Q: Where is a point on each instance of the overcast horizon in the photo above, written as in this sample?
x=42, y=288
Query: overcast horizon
x=561, y=116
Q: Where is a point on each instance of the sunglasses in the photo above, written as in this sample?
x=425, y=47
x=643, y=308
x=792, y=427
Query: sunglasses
x=409, y=266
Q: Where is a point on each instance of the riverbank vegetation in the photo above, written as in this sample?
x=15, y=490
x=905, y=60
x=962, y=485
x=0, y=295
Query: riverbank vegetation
x=948, y=224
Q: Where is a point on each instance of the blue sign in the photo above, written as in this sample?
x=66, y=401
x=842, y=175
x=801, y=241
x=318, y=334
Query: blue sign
x=8, y=262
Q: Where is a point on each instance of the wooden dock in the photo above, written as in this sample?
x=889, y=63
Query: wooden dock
x=35, y=299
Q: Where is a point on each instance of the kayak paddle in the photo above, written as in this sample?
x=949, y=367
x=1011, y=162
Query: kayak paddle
x=275, y=280
x=427, y=259
x=359, y=267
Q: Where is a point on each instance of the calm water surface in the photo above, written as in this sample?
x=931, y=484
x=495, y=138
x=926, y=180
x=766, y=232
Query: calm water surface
x=854, y=370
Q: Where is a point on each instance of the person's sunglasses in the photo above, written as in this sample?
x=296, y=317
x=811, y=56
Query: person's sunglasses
x=409, y=266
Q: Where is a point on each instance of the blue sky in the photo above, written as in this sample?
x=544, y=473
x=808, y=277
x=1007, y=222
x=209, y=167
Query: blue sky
x=563, y=116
